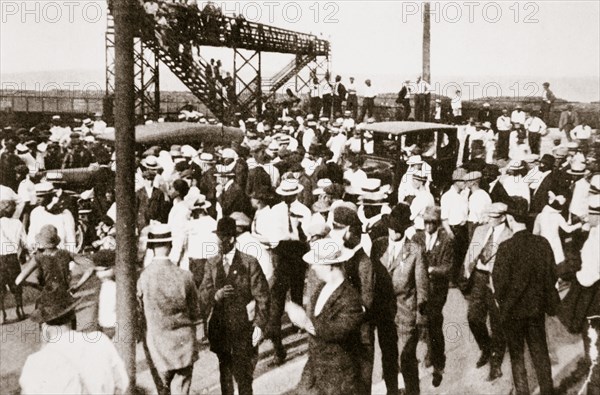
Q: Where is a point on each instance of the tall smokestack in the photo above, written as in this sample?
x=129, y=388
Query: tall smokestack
x=426, y=43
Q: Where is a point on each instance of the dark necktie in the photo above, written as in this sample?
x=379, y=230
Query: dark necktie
x=290, y=227
x=488, y=249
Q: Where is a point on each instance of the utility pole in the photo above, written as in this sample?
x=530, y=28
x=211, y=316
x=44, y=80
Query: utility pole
x=426, y=42
x=124, y=109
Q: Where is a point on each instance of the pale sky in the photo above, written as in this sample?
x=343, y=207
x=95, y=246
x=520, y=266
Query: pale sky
x=504, y=42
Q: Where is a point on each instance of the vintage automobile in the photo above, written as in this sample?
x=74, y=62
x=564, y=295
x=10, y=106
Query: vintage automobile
x=393, y=142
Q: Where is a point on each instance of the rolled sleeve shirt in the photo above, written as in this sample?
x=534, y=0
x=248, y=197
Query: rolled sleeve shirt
x=517, y=117
x=479, y=203
x=535, y=125
x=503, y=123
x=454, y=207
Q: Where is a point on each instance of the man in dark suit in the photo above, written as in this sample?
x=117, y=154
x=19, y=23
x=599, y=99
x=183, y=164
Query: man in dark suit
x=258, y=178
x=236, y=292
x=169, y=305
x=544, y=181
x=438, y=253
x=492, y=185
x=524, y=281
x=374, y=284
x=404, y=99
x=486, y=115
x=403, y=258
x=230, y=195
x=151, y=203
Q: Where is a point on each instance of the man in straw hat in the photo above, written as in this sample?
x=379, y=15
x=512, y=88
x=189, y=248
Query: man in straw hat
x=523, y=280
x=479, y=202
x=423, y=199
x=290, y=220
x=478, y=268
x=236, y=292
x=69, y=362
x=201, y=241
x=152, y=203
x=372, y=280
x=169, y=305
x=49, y=211
x=403, y=259
x=333, y=321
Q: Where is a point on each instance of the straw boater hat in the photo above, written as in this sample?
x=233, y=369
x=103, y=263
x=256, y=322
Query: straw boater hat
x=473, y=176
x=22, y=149
x=373, y=185
x=175, y=151
x=515, y=165
x=44, y=188
x=321, y=185
x=595, y=185
x=54, y=304
x=241, y=219
x=420, y=175
x=578, y=168
x=531, y=158
x=459, y=174
x=201, y=203
x=327, y=251
x=225, y=170
x=47, y=237
x=228, y=153
x=151, y=163
x=372, y=199
x=159, y=233
x=206, y=158
x=289, y=187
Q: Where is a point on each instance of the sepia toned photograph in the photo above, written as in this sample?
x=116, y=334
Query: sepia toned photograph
x=299, y=197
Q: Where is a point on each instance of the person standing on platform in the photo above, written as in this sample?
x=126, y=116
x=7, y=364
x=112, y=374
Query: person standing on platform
x=548, y=99
x=478, y=268
x=169, y=304
x=339, y=95
x=503, y=126
x=437, y=251
x=456, y=104
x=236, y=292
x=536, y=128
x=368, y=102
x=524, y=281
x=352, y=99
x=422, y=99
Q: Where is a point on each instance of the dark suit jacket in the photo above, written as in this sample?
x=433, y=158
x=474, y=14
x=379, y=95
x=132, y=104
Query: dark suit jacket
x=228, y=324
x=487, y=116
x=155, y=207
x=440, y=259
x=208, y=184
x=235, y=200
x=409, y=279
x=539, y=198
x=524, y=277
x=258, y=178
x=498, y=194
x=333, y=354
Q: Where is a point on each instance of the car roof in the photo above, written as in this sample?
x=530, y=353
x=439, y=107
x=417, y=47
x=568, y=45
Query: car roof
x=403, y=127
x=180, y=132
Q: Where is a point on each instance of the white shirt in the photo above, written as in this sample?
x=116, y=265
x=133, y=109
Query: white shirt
x=355, y=178
x=178, y=218
x=430, y=240
x=12, y=236
x=494, y=232
x=315, y=91
x=280, y=220
x=455, y=206
x=228, y=260
x=503, y=123
x=516, y=186
x=75, y=363
x=394, y=249
x=202, y=242
x=250, y=245
x=336, y=145
x=517, y=117
x=589, y=273
x=368, y=91
x=423, y=199
x=107, y=304
x=325, y=294
x=547, y=224
x=579, y=200
x=351, y=88
x=456, y=105
x=479, y=203
x=63, y=222
x=6, y=193
x=535, y=125
x=262, y=226
x=308, y=138
x=99, y=126
x=326, y=89
x=348, y=123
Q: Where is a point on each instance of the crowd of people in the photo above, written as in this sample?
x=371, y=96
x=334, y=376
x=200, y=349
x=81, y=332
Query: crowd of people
x=226, y=231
